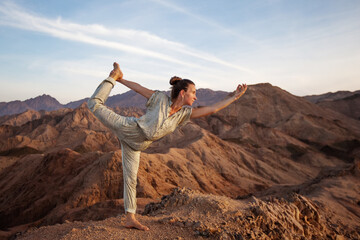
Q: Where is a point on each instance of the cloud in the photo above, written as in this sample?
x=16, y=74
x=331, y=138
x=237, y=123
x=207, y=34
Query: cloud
x=211, y=23
x=128, y=40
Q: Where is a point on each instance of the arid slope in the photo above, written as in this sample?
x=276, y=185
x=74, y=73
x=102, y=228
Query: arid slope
x=65, y=165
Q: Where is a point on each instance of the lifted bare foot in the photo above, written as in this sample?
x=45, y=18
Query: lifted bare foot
x=131, y=222
x=116, y=73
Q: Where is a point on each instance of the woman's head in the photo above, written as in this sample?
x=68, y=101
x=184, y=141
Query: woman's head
x=183, y=88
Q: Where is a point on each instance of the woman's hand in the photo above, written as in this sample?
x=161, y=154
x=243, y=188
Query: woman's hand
x=204, y=111
x=240, y=90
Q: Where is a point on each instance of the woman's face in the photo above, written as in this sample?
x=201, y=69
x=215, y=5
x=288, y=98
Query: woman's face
x=190, y=95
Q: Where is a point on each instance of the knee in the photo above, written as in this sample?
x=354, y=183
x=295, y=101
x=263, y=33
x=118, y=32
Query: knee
x=93, y=104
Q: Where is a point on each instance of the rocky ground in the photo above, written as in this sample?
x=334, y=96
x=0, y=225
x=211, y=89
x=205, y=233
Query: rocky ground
x=188, y=214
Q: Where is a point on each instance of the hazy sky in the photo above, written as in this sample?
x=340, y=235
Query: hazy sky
x=64, y=48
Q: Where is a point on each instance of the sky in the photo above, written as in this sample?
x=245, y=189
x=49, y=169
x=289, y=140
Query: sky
x=66, y=48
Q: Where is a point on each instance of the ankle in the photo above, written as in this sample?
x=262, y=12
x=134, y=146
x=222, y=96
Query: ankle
x=130, y=216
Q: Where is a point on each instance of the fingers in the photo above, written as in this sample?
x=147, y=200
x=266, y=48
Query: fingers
x=244, y=87
x=241, y=87
x=116, y=65
x=240, y=90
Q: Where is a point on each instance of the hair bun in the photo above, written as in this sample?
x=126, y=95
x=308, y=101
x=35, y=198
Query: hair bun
x=174, y=80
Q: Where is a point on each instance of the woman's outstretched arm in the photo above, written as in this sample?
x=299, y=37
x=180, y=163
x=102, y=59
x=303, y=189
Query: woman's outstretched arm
x=207, y=110
x=137, y=87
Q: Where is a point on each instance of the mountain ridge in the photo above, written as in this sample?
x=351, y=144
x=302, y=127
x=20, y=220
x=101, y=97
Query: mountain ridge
x=344, y=102
x=65, y=165
x=128, y=99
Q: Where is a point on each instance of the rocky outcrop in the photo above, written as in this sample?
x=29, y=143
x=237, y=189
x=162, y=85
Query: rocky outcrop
x=218, y=217
x=189, y=214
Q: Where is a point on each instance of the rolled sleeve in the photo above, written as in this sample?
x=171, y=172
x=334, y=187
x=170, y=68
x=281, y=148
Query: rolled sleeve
x=153, y=99
x=185, y=117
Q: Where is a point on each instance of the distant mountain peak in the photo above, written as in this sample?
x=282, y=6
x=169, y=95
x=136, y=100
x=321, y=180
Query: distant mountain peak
x=41, y=102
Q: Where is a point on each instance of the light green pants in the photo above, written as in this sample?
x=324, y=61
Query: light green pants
x=130, y=135
x=130, y=163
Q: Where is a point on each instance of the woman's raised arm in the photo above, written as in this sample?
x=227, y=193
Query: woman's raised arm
x=207, y=110
x=117, y=75
x=137, y=87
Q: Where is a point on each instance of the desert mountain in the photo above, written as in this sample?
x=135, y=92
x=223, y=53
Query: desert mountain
x=21, y=118
x=265, y=153
x=43, y=102
x=76, y=104
x=348, y=106
x=331, y=96
x=269, y=116
x=344, y=102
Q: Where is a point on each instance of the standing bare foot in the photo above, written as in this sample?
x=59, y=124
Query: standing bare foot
x=131, y=222
x=116, y=73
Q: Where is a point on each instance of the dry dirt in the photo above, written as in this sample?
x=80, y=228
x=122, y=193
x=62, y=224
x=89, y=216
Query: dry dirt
x=188, y=214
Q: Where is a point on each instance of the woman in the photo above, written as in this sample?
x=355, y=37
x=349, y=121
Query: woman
x=162, y=117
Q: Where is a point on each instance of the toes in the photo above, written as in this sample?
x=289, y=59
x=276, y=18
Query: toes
x=138, y=226
x=116, y=65
x=142, y=227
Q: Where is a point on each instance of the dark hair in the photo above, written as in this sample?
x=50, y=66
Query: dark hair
x=179, y=84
